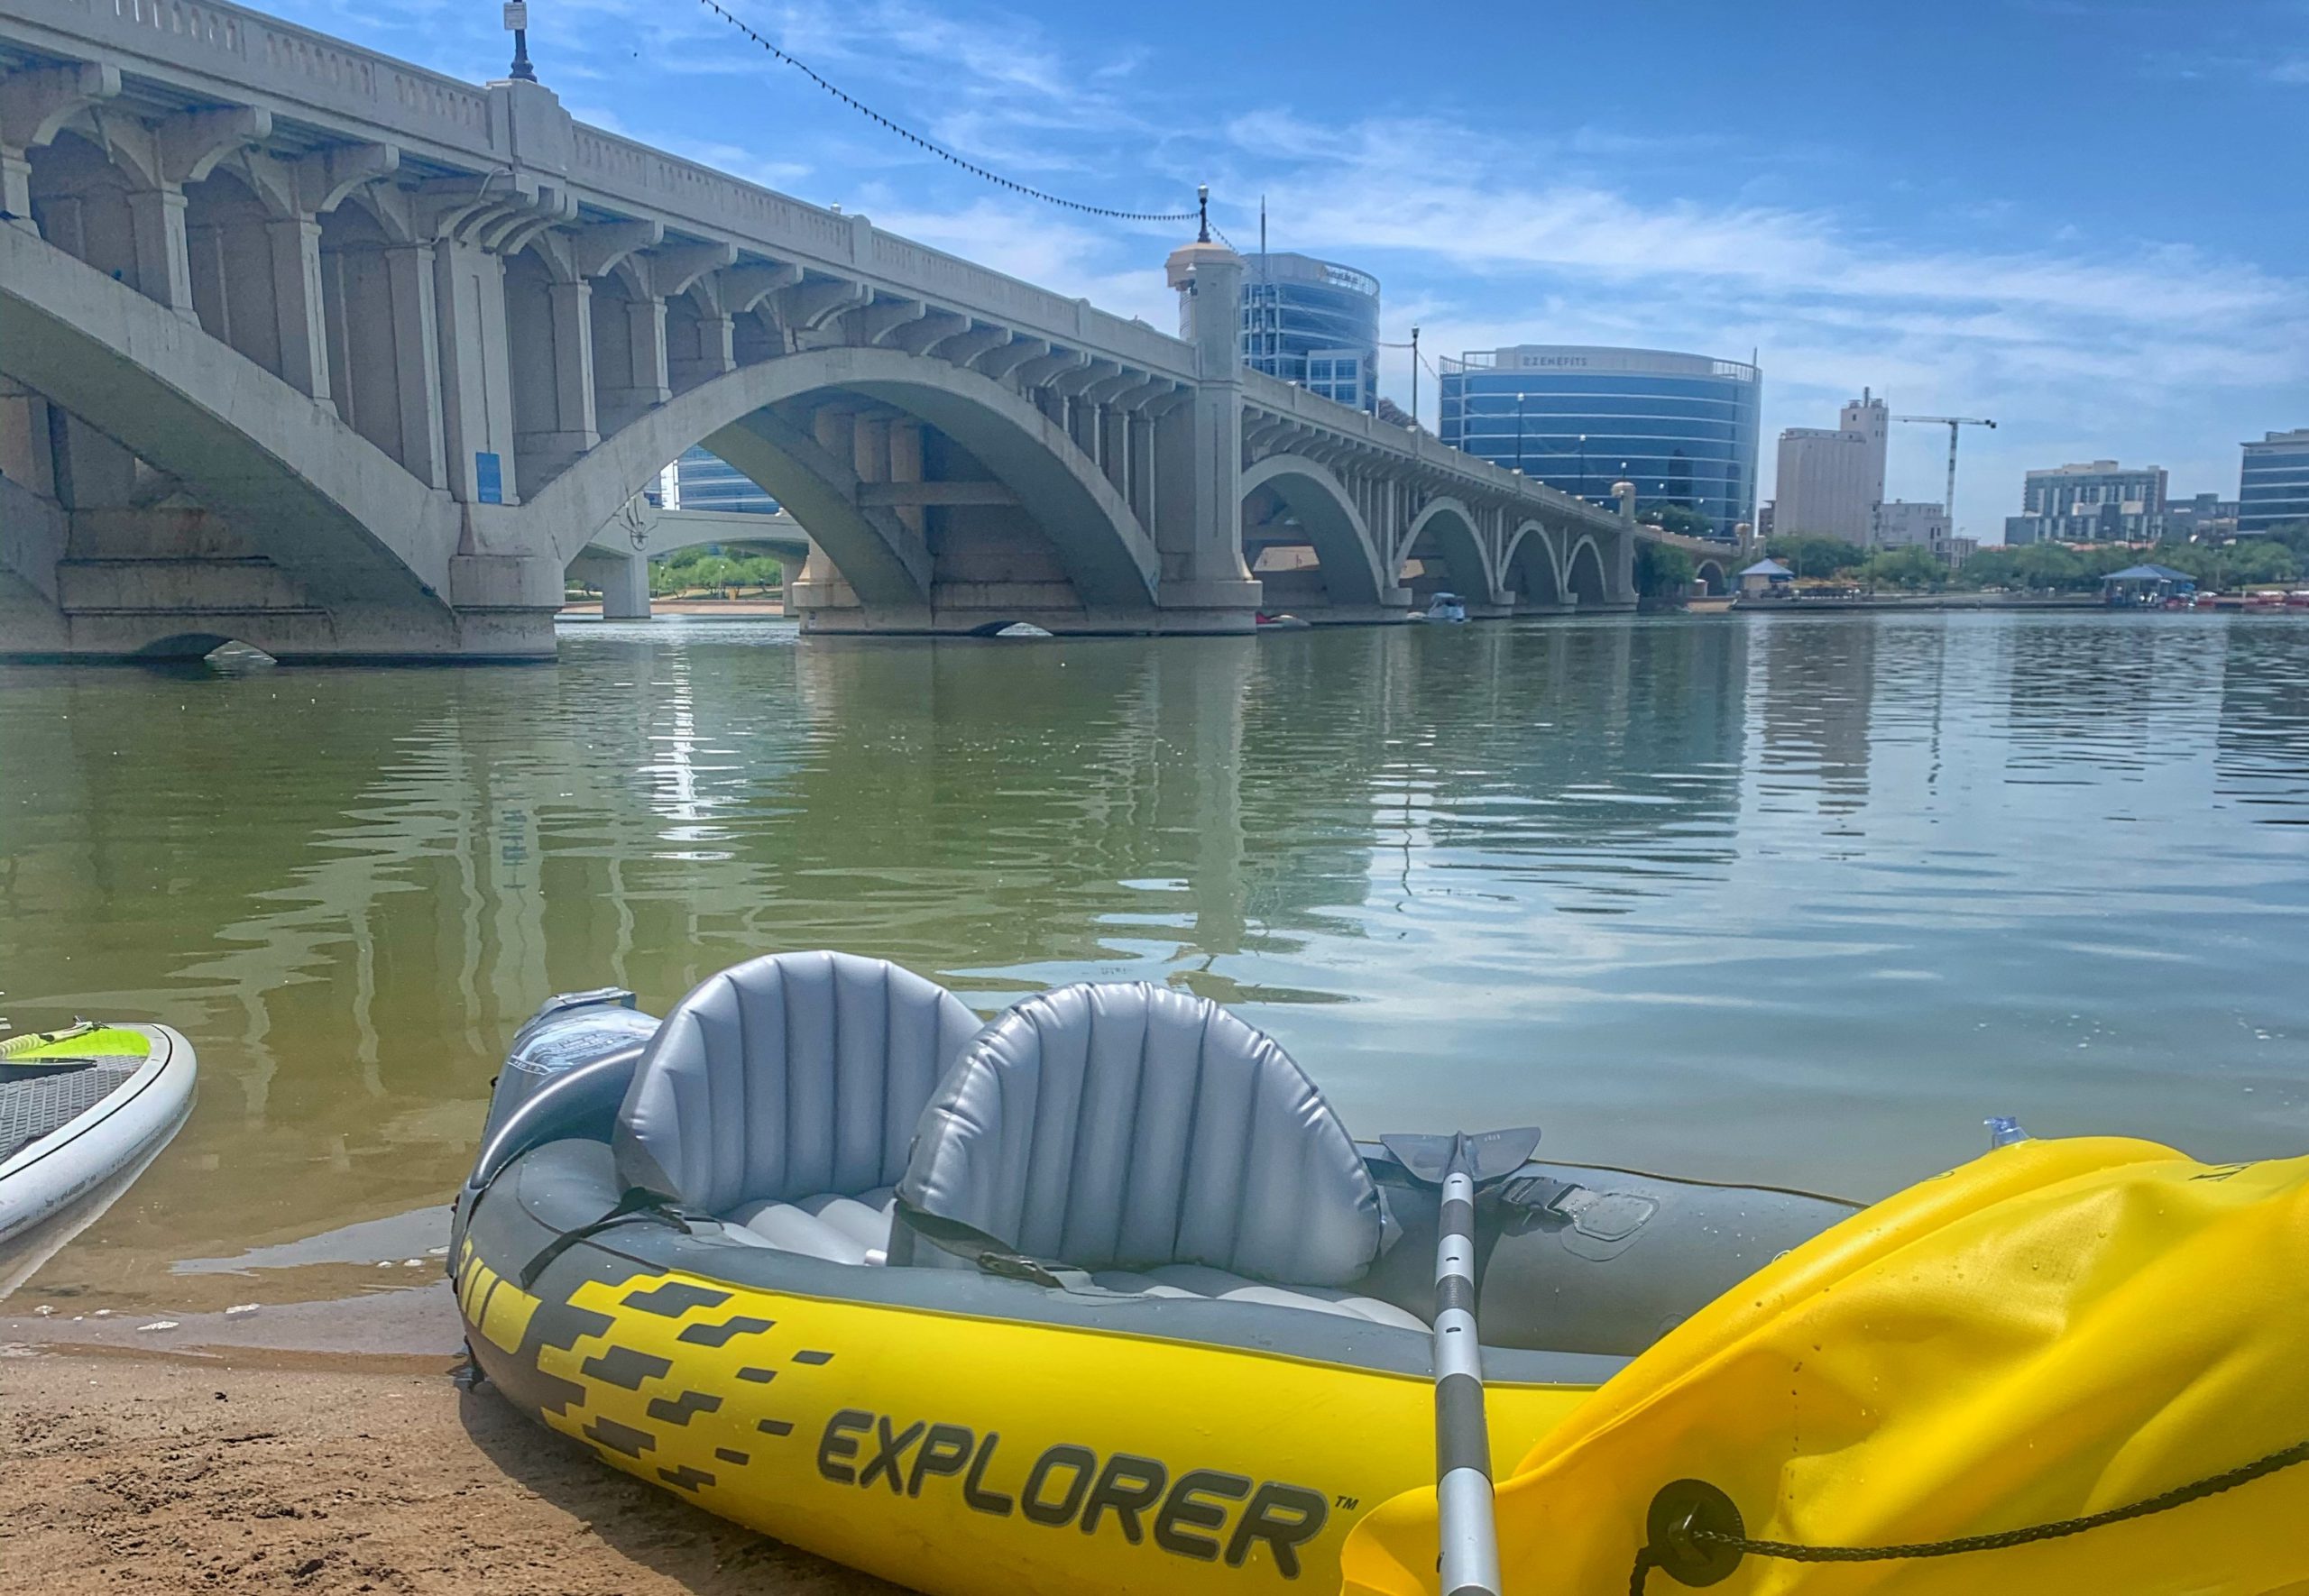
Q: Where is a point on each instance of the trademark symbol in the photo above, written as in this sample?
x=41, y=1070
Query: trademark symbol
x=1347, y=1504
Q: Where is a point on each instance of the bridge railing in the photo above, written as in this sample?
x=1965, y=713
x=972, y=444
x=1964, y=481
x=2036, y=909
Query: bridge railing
x=227, y=54
x=1272, y=393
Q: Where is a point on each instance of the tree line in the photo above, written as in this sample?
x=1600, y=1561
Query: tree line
x=2279, y=557
x=713, y=568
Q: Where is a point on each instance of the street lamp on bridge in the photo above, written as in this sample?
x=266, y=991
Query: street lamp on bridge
x=517, y=23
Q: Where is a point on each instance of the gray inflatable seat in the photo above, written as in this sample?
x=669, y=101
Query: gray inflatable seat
x=1130, y=1129
x=781, y=1096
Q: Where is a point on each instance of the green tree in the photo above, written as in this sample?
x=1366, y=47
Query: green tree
x=1662, y=570
x=1812, y=556
x=1910, y=568
x=2256, y=560
x=2294, y=536
x=2037, y=567
x=2241, y=564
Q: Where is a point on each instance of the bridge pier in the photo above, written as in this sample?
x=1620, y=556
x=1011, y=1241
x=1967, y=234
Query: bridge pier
x=623, y=577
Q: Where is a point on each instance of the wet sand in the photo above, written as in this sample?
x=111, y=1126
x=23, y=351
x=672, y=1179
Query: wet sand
x=270, y=1470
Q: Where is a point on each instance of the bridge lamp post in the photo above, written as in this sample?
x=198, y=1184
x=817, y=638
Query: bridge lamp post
x=1583, y=468
x=517, y=23
x=1519, y=430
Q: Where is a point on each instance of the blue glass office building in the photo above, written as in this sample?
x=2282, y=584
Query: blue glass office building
x=1684, y=429
x=707, y=481
x=2274, y=487
x=1315, y=322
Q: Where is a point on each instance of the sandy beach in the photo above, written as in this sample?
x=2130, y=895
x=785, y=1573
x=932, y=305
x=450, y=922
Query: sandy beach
x=276, y=1471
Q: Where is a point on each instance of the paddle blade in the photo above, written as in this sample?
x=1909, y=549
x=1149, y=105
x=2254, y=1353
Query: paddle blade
x=1493, y=1156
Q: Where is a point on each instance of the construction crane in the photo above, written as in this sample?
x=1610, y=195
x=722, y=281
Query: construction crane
x=1952, y=423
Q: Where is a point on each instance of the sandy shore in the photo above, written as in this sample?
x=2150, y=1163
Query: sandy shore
x=143, y=1474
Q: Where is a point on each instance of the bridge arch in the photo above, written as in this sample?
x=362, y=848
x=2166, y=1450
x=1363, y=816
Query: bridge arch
x=1445, y=528
x=1583, y=575
x=1322, y=506
x=1530, y=569
x=1711, y=575
x=322, y=503
x=1099, y=542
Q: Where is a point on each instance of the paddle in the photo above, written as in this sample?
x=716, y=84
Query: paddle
x=1460, y=1165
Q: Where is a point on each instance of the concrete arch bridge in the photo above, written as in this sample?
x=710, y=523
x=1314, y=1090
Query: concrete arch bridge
x=305, y=346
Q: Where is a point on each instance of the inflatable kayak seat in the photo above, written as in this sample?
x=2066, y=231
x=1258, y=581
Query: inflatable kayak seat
x=1197, y=1280
x=781, y=1096
x=839, y=1229
x=1131, y=1130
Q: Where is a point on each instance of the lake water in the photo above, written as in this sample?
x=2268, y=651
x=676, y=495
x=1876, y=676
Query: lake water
x=1790, y=900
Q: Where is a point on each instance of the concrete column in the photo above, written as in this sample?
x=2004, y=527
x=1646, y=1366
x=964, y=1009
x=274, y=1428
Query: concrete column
x=1142, y=467
x=647, y=318
x=1201, y=538
x=163, y=253
x=476, y=375
x=296, y=243
x=16, y=187
x=417, y=359
x=717, y=355
x=1114, y=448
x=905, y=467
x=573, y=364
x=625, y=595
x=869, y=449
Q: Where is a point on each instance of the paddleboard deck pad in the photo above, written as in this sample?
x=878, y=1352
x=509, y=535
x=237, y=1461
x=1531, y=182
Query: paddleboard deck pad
x=77, y=1108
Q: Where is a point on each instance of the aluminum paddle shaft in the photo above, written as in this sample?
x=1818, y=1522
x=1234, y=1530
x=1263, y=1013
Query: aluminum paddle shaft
x=1470, y=1541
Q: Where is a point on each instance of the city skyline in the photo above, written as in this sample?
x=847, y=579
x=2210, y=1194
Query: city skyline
x=2103, y=284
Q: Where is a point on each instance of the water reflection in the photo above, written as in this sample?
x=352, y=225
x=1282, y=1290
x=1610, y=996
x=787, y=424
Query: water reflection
x=1789, y=899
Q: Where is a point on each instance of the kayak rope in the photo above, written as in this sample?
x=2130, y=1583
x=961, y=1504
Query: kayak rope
x=1698, y=1538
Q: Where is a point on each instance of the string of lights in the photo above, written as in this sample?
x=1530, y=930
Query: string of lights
x=1422, y=357
x=940, y=150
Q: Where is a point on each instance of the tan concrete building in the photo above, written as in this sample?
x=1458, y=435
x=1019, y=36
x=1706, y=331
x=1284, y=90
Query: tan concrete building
x=1831, y=481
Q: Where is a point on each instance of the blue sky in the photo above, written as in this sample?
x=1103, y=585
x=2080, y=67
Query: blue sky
x=2081, y=219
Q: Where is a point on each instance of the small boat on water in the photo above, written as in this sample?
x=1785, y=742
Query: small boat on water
x=82, y=1112
x=1100, y=1296
x=1446, y=607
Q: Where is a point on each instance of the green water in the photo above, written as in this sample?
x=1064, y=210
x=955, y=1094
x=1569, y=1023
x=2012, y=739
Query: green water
x=1791, y=900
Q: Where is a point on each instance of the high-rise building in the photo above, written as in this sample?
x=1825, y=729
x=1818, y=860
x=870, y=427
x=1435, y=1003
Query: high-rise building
x=2097, y=502
x=1684, y=429
x=1314, y=323
x=705, y=481
x=2201, y=515
x=1830, y=483
x=2272, y=489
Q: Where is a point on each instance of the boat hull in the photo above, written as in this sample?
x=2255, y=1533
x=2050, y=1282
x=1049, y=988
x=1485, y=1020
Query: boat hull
x=961, y=1435
x=58, y=1183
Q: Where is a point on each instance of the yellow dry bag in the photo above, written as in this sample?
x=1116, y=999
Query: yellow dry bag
x=2093, y=1355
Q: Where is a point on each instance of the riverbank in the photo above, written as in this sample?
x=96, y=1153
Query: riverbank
x=751, y=609
x=248, y=1472
x=1917, y=602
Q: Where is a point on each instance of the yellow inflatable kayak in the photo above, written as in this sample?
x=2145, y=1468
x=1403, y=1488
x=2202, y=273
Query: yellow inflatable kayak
x=1100, y=1297
x=2070, y=1368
